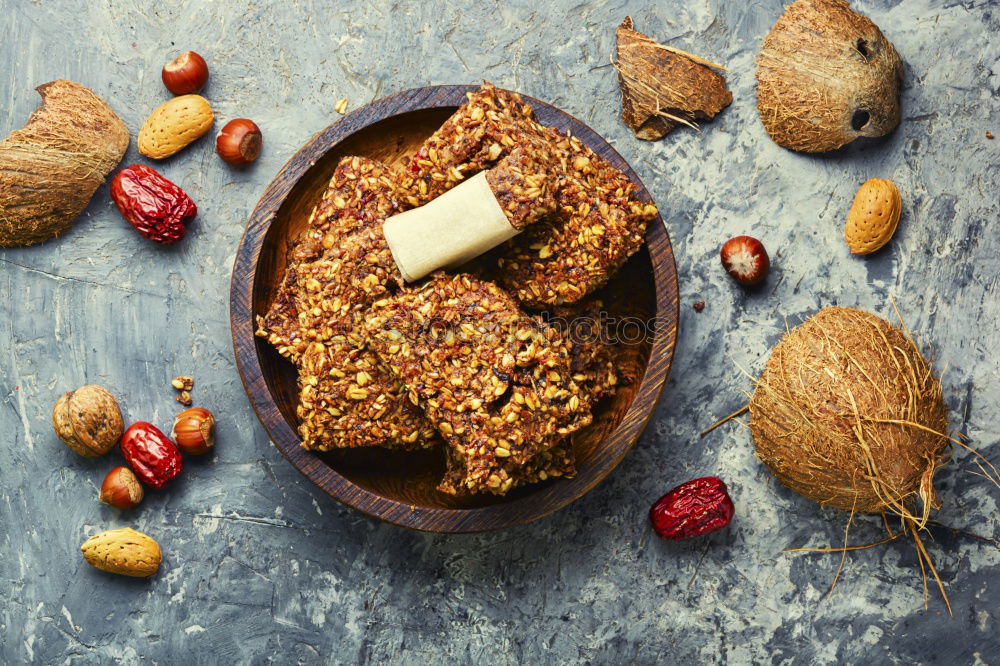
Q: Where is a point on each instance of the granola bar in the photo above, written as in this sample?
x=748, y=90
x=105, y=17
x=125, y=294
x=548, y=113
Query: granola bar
x=475, y=137
x=559, y=461
x=599, y=224
x=495, y=382
x=280, y=325
x=360, y=195
x=340, y=266
x=524, y=185
x=347, y=400
x=593, y=353
x=332, y=291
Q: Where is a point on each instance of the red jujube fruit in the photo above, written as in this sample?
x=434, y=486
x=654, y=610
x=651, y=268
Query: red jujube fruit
x=151, y=454
x=692, y=509
x=158, y=209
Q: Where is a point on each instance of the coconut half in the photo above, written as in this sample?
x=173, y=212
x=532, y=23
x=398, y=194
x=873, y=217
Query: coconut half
x=825, y=76
x=849, y=414
x=51, y=167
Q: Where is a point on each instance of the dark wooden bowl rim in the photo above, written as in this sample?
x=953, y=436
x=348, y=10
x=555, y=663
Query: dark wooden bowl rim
x=549, y=497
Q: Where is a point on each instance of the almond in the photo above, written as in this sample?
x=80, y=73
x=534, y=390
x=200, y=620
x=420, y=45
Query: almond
x=174, y=124
x=123, y=551
x=873, y=217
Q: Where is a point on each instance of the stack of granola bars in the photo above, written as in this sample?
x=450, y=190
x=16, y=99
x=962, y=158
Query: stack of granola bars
x=481, y=365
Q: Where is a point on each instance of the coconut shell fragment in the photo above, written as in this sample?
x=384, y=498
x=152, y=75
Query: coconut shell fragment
x=663, y=87
x=51, y=167
x=849, y=414
x=826, y=75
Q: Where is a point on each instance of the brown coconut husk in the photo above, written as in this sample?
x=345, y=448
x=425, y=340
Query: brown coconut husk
x=663, y=87
x=848, y=413
x=50, y=168
x=825, y=76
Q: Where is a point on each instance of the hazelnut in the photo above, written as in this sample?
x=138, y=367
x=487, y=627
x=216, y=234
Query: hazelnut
x=121, y=488
x=88, y=420
x=239, y=142
x=745, y=259
x=194, y=431
x=185, y=74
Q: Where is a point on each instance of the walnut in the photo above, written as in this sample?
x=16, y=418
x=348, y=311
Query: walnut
x=88, y=420
x=182, y=383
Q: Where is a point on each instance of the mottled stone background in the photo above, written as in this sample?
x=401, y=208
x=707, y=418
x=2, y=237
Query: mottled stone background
x=262, y=567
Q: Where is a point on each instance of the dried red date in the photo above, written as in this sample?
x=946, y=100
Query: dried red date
x=158, y=209
x=692, y=509
x=150, y=454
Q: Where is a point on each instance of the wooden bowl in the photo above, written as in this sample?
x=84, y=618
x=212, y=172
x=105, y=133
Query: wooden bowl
x=400, y=487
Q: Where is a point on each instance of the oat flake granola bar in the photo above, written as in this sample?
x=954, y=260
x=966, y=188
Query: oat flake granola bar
x=599, y=222
x=593, y=352
x=495, y=382
x=346, y=399
x=360, y=195
x=280, y=325
x=559, y=461
x=474, y=138
x=524, y=186
x=343, y=264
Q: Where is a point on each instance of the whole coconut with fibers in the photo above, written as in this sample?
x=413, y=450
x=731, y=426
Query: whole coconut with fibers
x=848, y=413
x=825, y=76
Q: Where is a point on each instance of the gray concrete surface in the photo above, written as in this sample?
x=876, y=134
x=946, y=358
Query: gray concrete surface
x=261, y=567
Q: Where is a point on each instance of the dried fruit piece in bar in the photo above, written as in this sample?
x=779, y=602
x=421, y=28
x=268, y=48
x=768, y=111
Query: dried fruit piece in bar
x=599, y=224
x=475, y=137
x=495, y=382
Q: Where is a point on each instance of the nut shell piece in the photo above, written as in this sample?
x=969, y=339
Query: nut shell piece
x=123, y=551
x=175, y=124
x=88, y=420
x=874, y=216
